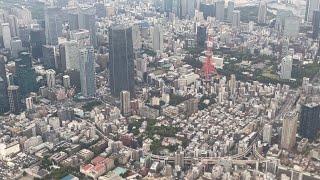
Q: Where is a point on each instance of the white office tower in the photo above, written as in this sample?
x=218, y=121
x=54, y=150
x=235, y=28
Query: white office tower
x=6, y=35
x=262, y=12
x=66, y=81
x=141, y=67
x=125, y=103
x=51, y=78
x=87, y=72
x=220, y=10
x=311, y=6
x=286, y=67
x=13, y=23
x=72, y=55
x=157, y=38
x=16, y=47
x=291, y=26
x=29, y=103
x=230, y=11
x=236, y=19
x=267, y=133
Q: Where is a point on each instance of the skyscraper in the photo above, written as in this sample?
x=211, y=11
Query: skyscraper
x=121, y=59
x=286, y=67
x=14, y=98
x=6, y=35
x=220, y=10
x=72, y=55
x=311, y=6
x=53, y=25
x=16, y=47
x=230, y=11
x=291, y=26
x=157, y=38
x=316, y=24
x=125, y=103
x=262, y=12
x=236, y=19
x=267, y=133
x=51, y=78
x=37, y=40
x=201, y=36
x=87, y=72
x=4, y=103
x=49, y=56
x=190, y=8
x=309, y=121
x=289, y=130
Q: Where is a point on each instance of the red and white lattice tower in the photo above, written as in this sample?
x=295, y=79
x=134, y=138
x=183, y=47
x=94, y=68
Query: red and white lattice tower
x=208, y=67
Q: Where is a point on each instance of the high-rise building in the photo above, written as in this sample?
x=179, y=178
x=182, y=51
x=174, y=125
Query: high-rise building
x=262, y=12
x=281, y=17
x=29, y=103
x=201, y=36
x=37, y=40
x=220, y=10
x=66, y=81
x=87, y=72
x=14, y=98
x=289, y=130
x=53, y=25
x=291, y=26
x=267, y=133
x=125, y=103
x=16, y=47
x=316, y=24
x=311, y=6
x=49, y=56
x=13, y=22
x=25, y=76
x=6, y=35
x=309, y=121
x=4, y=102
x=179, y=159
x=72, y=55
x=51, y=78
x=86, y=19
x=82, y=36
x=191, y=8
x=208, y=9
x=157, y=38
x=236, y=19
x=168, y=6
x=121, y=59
x=230, y=11
x=286, y=67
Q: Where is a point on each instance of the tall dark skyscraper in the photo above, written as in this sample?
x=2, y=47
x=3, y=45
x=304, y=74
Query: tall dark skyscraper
x=4, y=104
x=49, y=56
x=14, y=98
x=121, y=59
x=316, y=24
x=309, y=121
x=25, y=76
x=37, y=40
x=201, y=36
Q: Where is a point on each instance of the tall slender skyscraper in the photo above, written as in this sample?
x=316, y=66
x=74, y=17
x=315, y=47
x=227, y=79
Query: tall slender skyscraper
x=289, y=130
x=236, y=19
x=4, y=103
x=121, y=59
x=230, y=11
x=201, y=36
x=311, y=6
x=14, y=98
x=220, y=10
x=87, y=72
x=6, y=35
x=262, y=12
x=125, y=103
x=316, y=24
x=53, y=25
x=157, y=38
